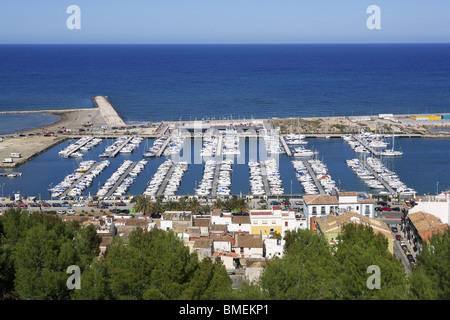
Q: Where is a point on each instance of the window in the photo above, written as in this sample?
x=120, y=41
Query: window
x=272, y=230
x=273, y=222
x=314, y=211
x=322, y=210
x=286, y=224
x=367, y=210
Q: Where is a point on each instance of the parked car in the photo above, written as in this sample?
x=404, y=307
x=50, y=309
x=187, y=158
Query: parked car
x=398, y=237
x=386, y=209
x=394, y=229
x=70, y=211
x=410, y=258
x=404, y=247
x=121, y=204
x=124, y=211
x=115, y=210
x=382, y=203
x=78, y=204
x=66, y=205
x=395, y=209
x=61, y=211
x=45, y=204
x=55, y=204
x=274, y=203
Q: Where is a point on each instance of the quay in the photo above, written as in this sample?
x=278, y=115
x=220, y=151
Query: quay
x=80, y=179
x=382, y=181
x=264, y=177
x=216, y=180
x=314, y=177
x=115, y=152
x=124, y=175
x=285, y=146
x=108, y=112
x=166, y=180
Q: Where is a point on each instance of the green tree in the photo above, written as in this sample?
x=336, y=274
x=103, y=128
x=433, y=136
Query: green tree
x=305, y=272
x=142, y=203
x=358, y=248
x=431, y=277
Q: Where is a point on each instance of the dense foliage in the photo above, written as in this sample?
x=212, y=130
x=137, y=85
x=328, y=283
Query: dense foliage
x=36, y=249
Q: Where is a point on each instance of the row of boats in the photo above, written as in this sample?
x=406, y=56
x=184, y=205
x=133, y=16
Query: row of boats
x=86, y=180
x=224, y=179
x=304, y=177
x=174, y=147
x=295, y=139
x=157, y=145
x=113, y=180
x=273, y=177
x=256, y=179
x=123, y=145
x=375, y=143
x=75, y=181
x=158, y=178
x=358, y=167
x=174, y=182
x=389, y=176
x=321, y=171
x=82, y=144
x=205, y=185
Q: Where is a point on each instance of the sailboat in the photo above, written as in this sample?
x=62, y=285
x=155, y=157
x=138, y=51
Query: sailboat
x=392, y=152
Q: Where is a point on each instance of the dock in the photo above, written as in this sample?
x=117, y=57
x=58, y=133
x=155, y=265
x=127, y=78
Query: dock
x=285, y=146
x=264, y=177
x=166, y=180
x=163, y=147
x=68, y=154
x=80, y=179
x=216, y=180
x=115, y=152
x=117, y=184
x=219, y=147
x=365, y=145
x=382, y=181
x=314, y=177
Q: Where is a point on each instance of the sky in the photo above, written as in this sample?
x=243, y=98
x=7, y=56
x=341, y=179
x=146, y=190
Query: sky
x=224, y=21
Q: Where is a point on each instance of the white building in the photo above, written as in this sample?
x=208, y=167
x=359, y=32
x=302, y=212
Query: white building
x=438, y=206
x=273, y=248
x=320, y=205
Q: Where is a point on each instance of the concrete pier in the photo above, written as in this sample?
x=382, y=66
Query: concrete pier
x=216, y=180
x=68, y=154
x=81, y=178
x=285, y=146
x=314, y=177
x=115, y=152
x=108, y=112
x=264, y=177
x=382, y=181
x=166, y=180
x=163, y=147
x=117, y=184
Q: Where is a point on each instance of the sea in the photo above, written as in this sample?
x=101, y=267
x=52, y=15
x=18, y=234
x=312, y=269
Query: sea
x=194, y=82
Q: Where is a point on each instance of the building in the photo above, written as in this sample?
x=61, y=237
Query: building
x=438, y=205
x=320, y=205
x=419, y=227
x=249, y=245
x=266, y=222
x=331, y=226
x=273, y=248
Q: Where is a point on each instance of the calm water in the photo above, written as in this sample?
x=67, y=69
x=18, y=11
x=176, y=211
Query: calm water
x=424, y=163
x=12, y=123
x=169, y=82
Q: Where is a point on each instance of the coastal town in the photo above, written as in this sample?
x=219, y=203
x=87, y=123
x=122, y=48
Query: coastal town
x=243, y=237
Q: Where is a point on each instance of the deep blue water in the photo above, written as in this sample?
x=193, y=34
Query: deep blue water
x=169, y=82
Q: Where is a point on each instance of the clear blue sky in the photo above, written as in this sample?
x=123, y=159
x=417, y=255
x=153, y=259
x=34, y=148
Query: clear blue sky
x=224, y=21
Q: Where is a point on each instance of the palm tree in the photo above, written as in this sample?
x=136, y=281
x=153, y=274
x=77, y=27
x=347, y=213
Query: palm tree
x=142, y=203
x=242, y=205
x=194, y=205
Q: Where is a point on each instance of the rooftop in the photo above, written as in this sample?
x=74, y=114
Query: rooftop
x=427, y=224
